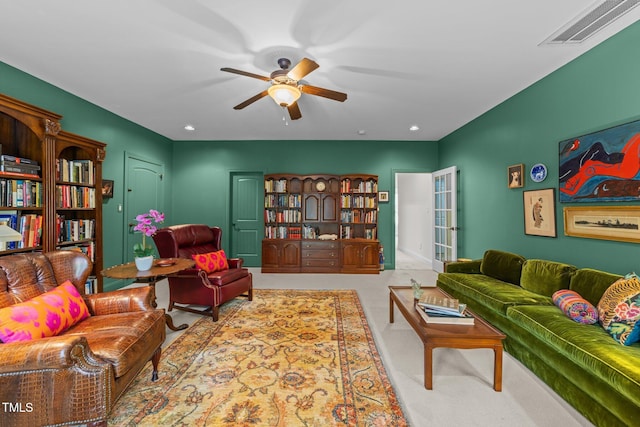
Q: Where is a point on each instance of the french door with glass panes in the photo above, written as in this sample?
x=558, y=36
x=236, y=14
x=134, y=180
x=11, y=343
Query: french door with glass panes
x=444, y=217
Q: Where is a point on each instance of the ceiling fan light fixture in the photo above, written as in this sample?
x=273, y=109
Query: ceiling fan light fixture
x=284, y=95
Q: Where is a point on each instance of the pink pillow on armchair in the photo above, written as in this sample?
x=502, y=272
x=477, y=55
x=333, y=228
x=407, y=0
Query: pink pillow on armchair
x=212, y=261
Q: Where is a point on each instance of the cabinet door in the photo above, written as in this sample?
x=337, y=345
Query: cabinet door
x=329, y=208
x=360, y=257
x=290, y=254
x=311, y=208
x=280, y=256
x=350, y=255
x=270, y=254
x=369, y=255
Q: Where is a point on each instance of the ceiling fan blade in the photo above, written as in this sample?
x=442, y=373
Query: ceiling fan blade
x=302, y=68
x=326, y=93
x=294, y=111
x=251, y=100
x=245, y=73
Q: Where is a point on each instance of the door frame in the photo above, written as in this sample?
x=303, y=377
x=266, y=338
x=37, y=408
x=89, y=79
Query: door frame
x=452, y=226
x=128, y=157
x=390, y=253
x=398, y=209
x=226, y=237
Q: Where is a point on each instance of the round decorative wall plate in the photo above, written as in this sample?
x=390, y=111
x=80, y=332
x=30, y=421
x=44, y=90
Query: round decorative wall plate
x=320, y=186
x=538, y=172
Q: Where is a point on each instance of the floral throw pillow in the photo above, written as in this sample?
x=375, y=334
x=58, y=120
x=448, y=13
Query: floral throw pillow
x=211, y=261
x=619, y=310
x=46, y=315
x=575, y=307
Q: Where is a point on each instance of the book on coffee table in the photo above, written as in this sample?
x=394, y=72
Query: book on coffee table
x=439, y=304
x=463, y=318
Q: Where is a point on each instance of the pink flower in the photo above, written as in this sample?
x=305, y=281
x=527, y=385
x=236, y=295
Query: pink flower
x=157, y=216
x=146, y=227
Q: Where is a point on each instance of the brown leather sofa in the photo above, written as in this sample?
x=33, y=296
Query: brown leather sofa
x=193, y=286
x=75, y=377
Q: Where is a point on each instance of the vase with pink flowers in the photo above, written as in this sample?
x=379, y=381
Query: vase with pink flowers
x=146, y=226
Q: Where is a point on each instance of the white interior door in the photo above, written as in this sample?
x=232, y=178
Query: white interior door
x=445, y=225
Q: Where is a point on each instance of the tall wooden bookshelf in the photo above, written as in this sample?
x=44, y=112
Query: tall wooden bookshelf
x=320, y=224
x=63, y=199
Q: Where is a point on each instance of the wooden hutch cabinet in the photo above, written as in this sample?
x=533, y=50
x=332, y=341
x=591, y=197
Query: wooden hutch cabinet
x=50, y=185
x=320, y=224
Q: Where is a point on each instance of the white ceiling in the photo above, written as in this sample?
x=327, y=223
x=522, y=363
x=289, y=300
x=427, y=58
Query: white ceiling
x=435, y=64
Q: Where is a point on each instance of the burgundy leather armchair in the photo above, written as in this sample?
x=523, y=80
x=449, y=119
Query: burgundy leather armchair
x=194, y=286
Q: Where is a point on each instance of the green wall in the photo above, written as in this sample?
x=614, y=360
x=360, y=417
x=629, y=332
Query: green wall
x=89, y=120
x=597, y=90
x=201, y=174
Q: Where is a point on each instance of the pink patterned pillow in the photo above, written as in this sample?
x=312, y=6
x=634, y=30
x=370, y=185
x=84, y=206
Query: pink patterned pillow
x=212, y=261
x=575, y=307
x=43, y=316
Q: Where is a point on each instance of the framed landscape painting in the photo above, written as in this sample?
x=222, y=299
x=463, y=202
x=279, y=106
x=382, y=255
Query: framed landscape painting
x=603, y=166
x=603, y=222
x=540, y=212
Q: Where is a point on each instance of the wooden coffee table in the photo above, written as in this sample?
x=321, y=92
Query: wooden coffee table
x=479, y=335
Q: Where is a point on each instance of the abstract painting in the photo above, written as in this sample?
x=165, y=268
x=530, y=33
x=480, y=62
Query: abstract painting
x=603, y=166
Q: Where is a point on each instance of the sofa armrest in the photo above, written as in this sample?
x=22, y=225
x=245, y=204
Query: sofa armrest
x=121, y=301
x=60, y=377
x=469, y=267
x=60, y=352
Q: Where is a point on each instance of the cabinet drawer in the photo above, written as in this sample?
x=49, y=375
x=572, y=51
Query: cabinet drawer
x=312, y=262
x=313, y=245
x=320, y=254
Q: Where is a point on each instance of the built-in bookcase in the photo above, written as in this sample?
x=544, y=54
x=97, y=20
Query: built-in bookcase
x=52, y=192
x=359, y=207
x=310, y=218
x=283, y=207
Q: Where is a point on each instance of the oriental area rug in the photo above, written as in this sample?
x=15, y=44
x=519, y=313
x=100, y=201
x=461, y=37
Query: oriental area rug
x=288, y=358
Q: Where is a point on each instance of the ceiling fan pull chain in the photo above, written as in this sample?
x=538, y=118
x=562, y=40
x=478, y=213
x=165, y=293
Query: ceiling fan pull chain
x=284, y=116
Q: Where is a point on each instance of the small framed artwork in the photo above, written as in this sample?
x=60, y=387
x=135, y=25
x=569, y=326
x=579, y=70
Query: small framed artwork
x=540, y=212
x=107, y=188
x=383, y=196
x=515, y=178
x=620, y=223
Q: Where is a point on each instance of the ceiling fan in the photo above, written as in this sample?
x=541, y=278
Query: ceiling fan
x=285, y=86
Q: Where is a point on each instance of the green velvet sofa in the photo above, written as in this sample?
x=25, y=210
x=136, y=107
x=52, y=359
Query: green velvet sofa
x=589, y=369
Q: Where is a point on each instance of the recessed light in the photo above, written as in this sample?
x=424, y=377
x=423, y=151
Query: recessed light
x=190, y=128
x=414, y=128
x=362, y=132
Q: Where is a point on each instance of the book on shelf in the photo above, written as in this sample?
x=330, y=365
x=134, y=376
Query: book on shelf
x=465, y=318
x=19, y=168
x=91, y=285
x=15, y=159
x=78, y=171
x=16, y=174
x=87, y=248
x=30, y=226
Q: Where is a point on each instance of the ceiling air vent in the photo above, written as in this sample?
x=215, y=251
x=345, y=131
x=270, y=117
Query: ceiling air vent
x=591, y=21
